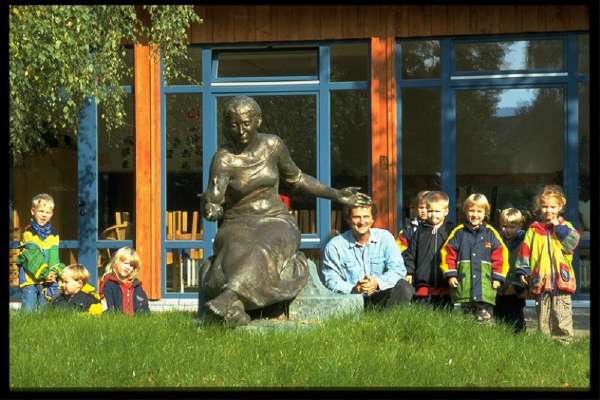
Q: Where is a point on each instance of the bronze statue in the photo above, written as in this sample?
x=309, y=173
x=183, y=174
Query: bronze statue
x=256, y=259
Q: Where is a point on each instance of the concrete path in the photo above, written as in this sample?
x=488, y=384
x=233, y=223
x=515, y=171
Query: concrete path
x=581, y=320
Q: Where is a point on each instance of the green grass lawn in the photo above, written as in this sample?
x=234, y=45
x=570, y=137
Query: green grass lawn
x=408, y=348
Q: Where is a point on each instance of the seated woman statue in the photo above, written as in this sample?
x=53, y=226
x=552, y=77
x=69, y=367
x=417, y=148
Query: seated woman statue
x=256, y=259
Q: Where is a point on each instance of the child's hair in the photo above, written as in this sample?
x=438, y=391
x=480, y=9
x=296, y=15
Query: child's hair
x=120, y=255
x=511, y=216
x=437, y=196
x=553, y=191
x=421, y=197
x=479, y=200
x=79, y=272
x=35, y=202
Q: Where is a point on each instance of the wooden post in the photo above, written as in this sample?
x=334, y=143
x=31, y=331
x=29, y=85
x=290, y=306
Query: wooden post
x=383, y=130
x=147, y=168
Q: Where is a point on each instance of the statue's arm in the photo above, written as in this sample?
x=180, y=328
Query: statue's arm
x=212, y=200
x=299, y=180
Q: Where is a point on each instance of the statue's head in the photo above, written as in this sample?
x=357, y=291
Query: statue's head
x=242, y=118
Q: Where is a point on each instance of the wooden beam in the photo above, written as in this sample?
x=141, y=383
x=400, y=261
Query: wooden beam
x=383, y=130
x=147, y=168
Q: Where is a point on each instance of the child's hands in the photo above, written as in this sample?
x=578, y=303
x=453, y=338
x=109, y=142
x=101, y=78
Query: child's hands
x=453, y=282
x=51, y=277
x=408, y=279
x=496, y=284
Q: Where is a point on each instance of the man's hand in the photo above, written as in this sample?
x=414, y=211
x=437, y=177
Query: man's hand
x=368, y=285
x=496, y=284
x=453, y=282
x=408, y=279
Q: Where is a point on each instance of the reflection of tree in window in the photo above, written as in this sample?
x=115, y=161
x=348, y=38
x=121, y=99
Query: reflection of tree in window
x=421, y=59
x=544, y=54
x=350, y=138
x=480, y=57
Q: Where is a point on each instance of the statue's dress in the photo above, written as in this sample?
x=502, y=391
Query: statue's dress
x=256, y=248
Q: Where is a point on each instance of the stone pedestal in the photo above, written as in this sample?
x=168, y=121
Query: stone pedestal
x=315, y=302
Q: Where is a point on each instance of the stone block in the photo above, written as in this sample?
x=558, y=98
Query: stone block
x=316, y=302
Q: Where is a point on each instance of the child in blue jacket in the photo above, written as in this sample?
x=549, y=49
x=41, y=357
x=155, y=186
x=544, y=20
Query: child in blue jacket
x=119, y=285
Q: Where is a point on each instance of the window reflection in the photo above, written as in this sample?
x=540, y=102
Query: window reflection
x=584, y=274
x=509, y=143
x=420, y=59
x=184, y=163
x=584, y=158
x=257, y=63
x=349, y=62
x=350, y=145
x=116, y=178
x=509, y=55
x=583, y=51
x=293, y=118
x=421, y=147
x=183, y=267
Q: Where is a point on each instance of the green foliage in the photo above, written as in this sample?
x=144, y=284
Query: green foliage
x=411, y=348
x=58, y=55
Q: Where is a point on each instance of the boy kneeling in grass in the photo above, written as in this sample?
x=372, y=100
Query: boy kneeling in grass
x=76, y=293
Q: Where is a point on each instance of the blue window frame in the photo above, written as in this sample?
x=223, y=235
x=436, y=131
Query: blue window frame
x=452, y=81
x=211, y=89
x=87, y=171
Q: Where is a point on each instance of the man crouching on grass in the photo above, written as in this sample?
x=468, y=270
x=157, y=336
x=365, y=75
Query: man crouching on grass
x=367, y=261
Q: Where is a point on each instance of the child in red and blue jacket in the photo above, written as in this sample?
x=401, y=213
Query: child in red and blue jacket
x=119, y=285
x=475, y=260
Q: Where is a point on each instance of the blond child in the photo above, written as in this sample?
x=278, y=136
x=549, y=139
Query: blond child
x=510, y=299
x=418, y=215
x=545, y=264
x=39, y=263
x=422, y=258
x=76, y=292
x=119, y=285
x=474, y=260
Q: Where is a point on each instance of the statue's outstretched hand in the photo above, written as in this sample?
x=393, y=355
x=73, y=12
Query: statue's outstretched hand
x=210, y=211
x=351, y=196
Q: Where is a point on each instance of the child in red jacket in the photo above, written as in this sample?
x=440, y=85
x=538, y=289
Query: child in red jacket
x=119, y=285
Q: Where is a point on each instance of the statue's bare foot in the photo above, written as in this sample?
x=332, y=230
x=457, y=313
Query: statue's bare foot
x=236, y=315
x=220, y=305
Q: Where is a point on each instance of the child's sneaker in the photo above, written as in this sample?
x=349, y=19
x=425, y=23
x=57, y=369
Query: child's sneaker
x=483, y=315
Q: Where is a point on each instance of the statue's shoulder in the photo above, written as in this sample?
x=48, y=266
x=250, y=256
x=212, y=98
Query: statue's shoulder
x=271, y=144
x=222, y=158
x=270, y=140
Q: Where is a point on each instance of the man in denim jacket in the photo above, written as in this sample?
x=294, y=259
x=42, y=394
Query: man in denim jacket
x=366, y=261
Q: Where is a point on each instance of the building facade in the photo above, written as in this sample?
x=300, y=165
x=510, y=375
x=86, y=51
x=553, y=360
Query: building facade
x=395, y=99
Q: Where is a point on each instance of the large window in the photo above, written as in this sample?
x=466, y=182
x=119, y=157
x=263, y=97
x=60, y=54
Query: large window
x=509, y=144
x=421, y=149
x=493, y=115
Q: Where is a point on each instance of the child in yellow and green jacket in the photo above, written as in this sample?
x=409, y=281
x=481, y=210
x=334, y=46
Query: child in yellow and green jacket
x=545, y=264
x=39, y=263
